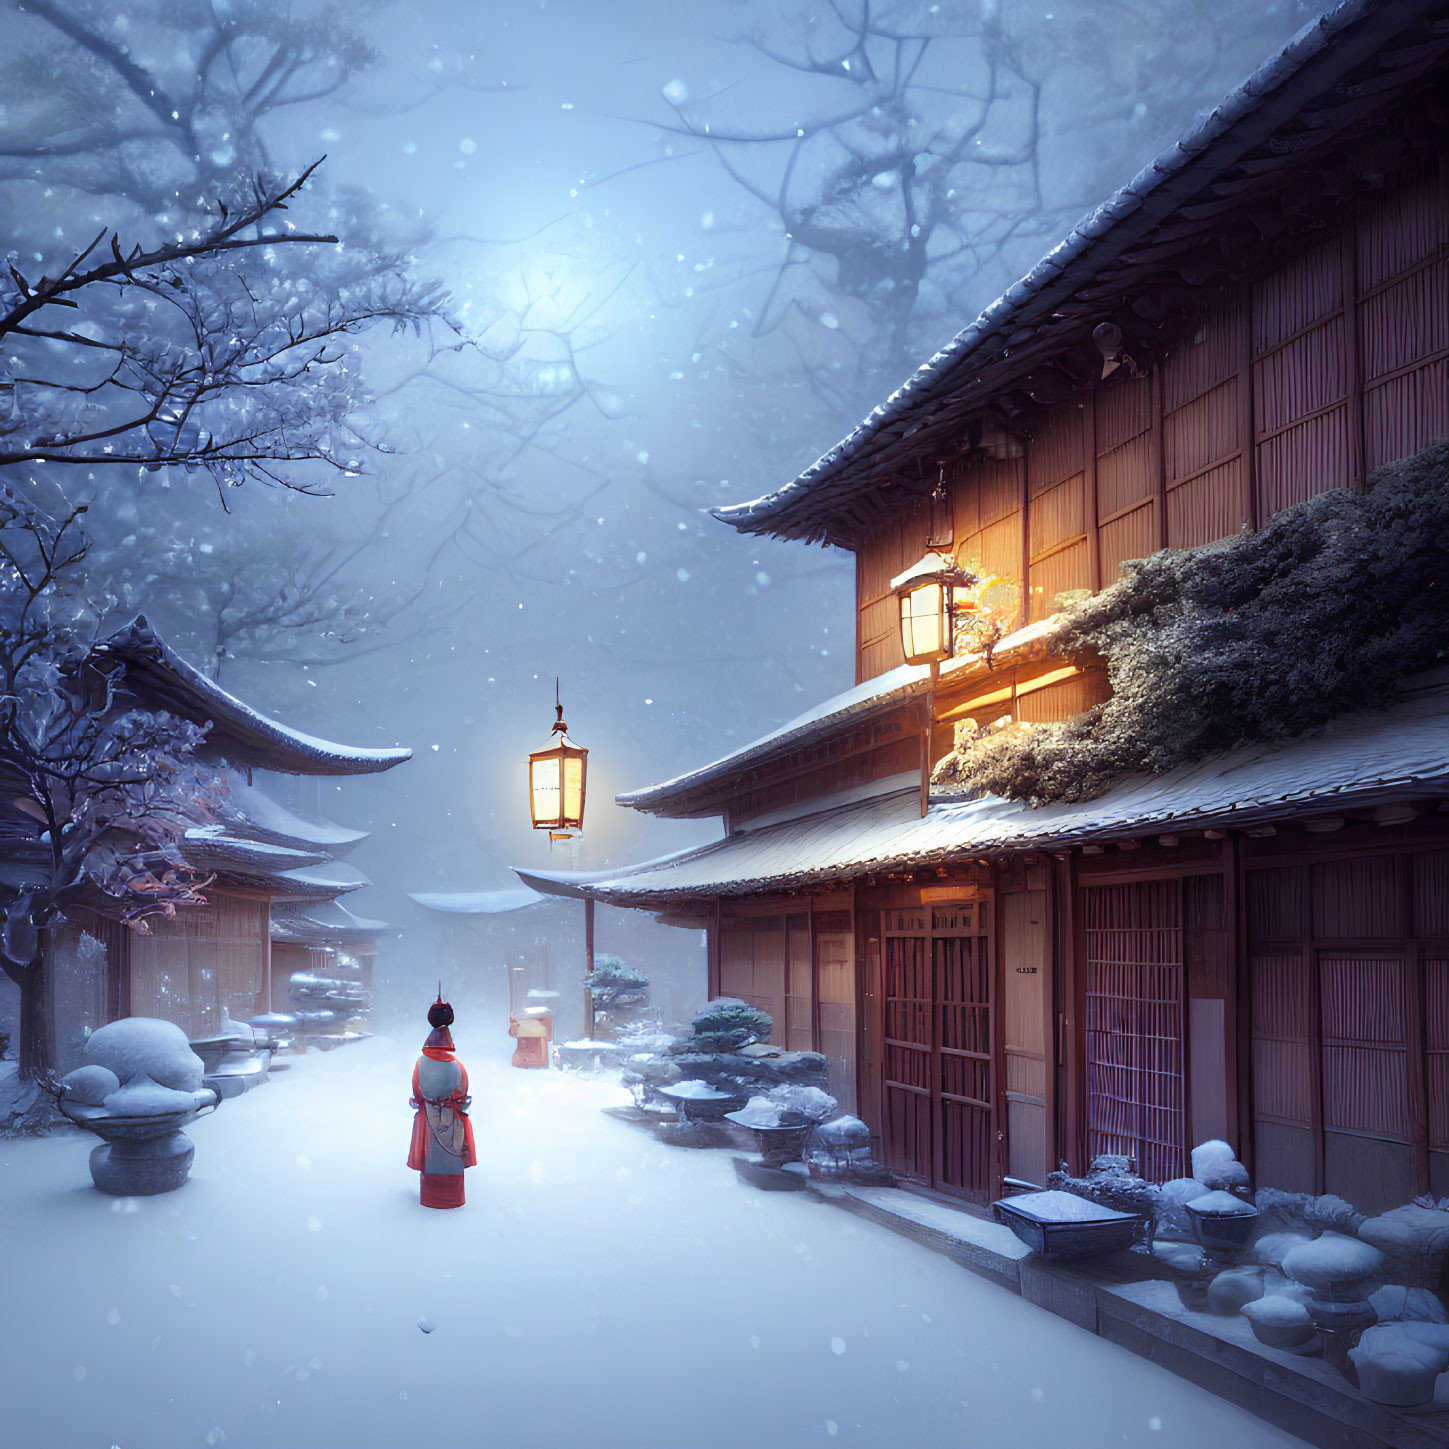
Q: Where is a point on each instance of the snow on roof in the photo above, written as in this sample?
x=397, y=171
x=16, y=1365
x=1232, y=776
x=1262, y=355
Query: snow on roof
x=872, y=696
x=321, y=923
x=330, y=878
x=479, y=903
x=269, y=819
x=213, y=847
x=1357, y=760
x=1311, y=63
x=162, y=678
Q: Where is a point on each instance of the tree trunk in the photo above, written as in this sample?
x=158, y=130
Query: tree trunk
x=37, y=1048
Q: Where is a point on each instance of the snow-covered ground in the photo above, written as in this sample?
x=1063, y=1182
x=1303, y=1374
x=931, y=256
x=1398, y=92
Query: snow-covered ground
x=598, y=1289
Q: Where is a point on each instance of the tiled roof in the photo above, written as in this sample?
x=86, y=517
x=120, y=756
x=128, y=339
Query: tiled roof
x=1308, y=68
x=479, y=903
x=1359, y=760
x=876, y=696
x=161, y=678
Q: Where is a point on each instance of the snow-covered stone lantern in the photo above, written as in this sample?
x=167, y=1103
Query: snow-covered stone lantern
x=927, y=592
x=557, y=778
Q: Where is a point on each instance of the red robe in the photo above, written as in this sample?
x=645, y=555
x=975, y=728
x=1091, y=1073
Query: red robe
x=442, y=1143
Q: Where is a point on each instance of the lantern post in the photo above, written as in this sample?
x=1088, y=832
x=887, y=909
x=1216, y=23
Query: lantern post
x=557, y=784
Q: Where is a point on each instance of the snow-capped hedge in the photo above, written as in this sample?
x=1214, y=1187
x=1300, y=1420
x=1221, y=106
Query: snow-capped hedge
x=1261, y=638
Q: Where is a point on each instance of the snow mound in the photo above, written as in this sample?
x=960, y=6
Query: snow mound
x=1276, y=1310
x=801, y=1104
x=757, y=1112
x=141, y=1097
x=1331, y=1259
x=90, y=1085
x=1272, y=1248
x=1220, y=1204
x=843, y=1134
x=1409, y=1230
x=1215, y=1165
x=1397, y=1363
x=1395, y=1304
x=144, y=1045
x=1234, y=1288
x=1062, y=1207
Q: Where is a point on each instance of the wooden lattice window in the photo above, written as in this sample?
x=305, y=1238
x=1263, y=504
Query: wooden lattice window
x=1135, y=1027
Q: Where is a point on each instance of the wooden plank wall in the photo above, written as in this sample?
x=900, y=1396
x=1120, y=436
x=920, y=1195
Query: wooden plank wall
x=1349, y=963
x=1335, y=364
x=202, y=962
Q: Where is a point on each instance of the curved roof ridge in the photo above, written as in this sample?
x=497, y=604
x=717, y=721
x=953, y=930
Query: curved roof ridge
x=156, y=672
x=1097, y=239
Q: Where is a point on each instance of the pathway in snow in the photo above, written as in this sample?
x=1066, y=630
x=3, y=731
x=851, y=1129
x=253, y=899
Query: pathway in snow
x=598, y=1290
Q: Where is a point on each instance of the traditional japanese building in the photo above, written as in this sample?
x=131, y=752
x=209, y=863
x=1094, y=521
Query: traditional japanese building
x=270, y=875
x=1255, y=946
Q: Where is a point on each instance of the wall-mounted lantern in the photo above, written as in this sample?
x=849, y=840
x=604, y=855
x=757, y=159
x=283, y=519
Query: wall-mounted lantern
x=928, y=597
x=557, y=778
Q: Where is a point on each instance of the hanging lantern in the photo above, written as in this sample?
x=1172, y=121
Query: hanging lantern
x=927, y=602
x=556, y=781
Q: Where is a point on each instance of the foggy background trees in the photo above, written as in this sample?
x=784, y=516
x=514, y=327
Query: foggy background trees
x=649, y=259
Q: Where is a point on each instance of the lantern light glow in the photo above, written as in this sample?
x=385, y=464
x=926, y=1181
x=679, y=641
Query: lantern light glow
x=927, y=602
x=557, y=779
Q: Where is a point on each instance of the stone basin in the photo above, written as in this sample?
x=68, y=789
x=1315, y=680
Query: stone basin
x=143, y=1154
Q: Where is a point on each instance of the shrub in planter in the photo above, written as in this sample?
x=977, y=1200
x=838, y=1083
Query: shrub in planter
x=727, y=1024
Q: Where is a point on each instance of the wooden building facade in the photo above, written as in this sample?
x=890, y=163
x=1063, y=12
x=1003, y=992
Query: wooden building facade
x=1261, y=950
x=209, y=962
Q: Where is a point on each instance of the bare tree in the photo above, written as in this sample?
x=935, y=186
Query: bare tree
x=103, y=793
x=199, y=353
x=910, y=167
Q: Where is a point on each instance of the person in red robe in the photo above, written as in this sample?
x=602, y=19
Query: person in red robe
x=442, y=1144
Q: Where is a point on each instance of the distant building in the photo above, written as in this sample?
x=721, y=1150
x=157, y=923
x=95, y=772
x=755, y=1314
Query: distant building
x=479, y=939
x=274, y=875
x=1255, y=948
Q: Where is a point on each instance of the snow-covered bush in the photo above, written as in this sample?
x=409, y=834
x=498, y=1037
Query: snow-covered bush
x=614, y=984
x=1397, y=1363
x=788, y=1105
x=143, y=1046
x=727, y=1024
x=1332, y=1264
x=1416, y=1236
x=1259, y=639
x=1216, y=1166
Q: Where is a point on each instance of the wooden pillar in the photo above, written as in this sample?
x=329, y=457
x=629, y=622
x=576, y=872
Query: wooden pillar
x=1089, y=490
x=1159, y=439
x=1353, y=352
x=1247, y=420
x=588, y=968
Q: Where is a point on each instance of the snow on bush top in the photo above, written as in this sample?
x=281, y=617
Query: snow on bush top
x=1413, y=1228
x=1215, y=1164
x=788, y=1105
x=726, y=1024
x=1402, y=1347
x=1272, y=1248
x=1264, y=637
x=141, y=1097
x=1393, y=1302
x=1332, y=1259
x=143, y=1045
